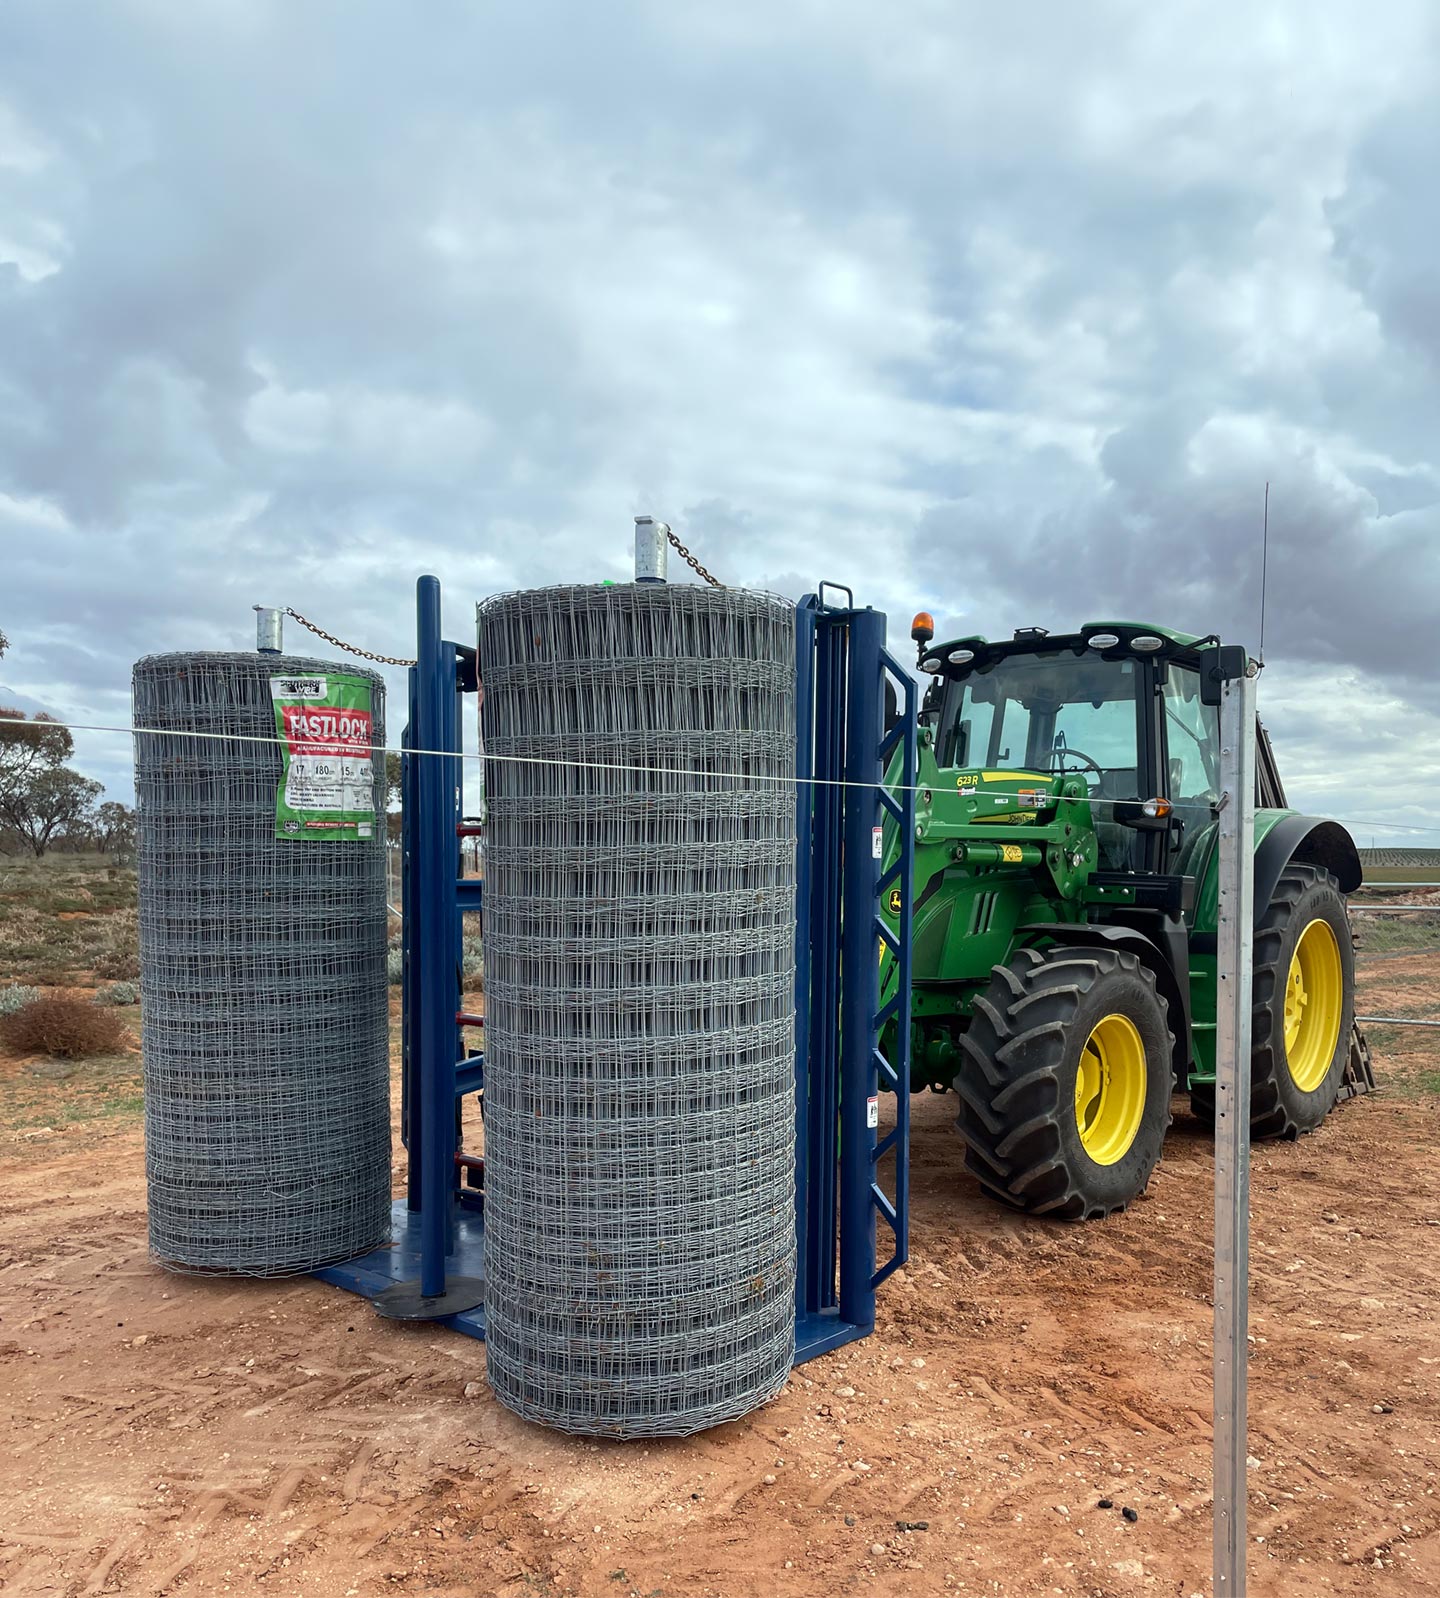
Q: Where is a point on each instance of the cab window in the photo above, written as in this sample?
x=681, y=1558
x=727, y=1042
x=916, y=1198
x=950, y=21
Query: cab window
x=1192, y=731
x=1048, y=713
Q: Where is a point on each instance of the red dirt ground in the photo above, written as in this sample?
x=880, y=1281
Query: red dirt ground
x=164, y=1434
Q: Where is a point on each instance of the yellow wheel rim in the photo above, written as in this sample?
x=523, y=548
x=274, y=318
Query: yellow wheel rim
x=1110, y=1089
x=1314, y=1004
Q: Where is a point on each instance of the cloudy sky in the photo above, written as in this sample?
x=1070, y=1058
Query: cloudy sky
x=1007, y=312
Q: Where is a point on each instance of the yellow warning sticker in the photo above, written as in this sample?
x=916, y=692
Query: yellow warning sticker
x=894, y=902
x=1011, y=853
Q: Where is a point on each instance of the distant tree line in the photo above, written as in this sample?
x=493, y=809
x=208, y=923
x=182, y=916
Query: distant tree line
x=46, y=804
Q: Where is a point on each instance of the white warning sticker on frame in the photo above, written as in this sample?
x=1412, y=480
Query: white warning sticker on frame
x=877, y=846
x=872, y=1110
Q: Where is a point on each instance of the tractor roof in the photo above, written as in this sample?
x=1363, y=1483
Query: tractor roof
x=1171, y=645
x=1139, y=629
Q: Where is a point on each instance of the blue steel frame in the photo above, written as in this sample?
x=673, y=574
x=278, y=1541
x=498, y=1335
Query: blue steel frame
x=843, y=752
x=438, y=1227
x=842, y=880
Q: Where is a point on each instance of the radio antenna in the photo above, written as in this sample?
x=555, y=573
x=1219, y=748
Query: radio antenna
x=1264, y=566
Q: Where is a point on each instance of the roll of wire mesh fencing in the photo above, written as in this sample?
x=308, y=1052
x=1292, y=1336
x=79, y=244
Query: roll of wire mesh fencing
x=262, y=963
x=639, y=941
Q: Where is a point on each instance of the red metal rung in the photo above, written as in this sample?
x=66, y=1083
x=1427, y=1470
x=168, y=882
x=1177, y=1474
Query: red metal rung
x=467, y=1018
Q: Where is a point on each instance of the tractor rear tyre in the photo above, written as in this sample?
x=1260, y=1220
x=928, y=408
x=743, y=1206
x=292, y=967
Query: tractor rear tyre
x=1303, y=1007
x=1065, y=1082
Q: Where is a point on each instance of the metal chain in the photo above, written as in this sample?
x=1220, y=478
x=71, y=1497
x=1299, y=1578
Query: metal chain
x=692, y=562
x=396, y=660
x=350, y=649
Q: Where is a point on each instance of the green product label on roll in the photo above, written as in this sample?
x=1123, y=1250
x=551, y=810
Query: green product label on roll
x=327, y=788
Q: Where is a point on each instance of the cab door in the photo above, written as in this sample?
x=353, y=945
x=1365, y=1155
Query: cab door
x=1190, y=747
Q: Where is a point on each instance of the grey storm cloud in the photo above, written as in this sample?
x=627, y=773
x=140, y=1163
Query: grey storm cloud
x=1009, y=314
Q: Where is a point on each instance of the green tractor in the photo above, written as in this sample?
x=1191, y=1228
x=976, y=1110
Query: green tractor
x=1065, y=911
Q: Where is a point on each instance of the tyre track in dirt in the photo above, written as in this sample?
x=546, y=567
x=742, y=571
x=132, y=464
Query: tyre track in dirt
x=163, y=1431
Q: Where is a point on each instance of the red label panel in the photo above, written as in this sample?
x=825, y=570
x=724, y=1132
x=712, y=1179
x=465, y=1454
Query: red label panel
x=326, y=732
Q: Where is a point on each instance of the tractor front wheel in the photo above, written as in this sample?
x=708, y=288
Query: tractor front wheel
x=1302, y=1007
x=1065, y=1082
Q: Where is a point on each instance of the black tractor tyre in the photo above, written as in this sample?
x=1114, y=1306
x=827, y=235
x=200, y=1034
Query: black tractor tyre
x=1279, y=1106
x=1017, y=1081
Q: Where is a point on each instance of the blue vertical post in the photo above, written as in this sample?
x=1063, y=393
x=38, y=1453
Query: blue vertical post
x=824, y=929
x=454, y=865
x=432, y=977
x=859, y=970
x=907, y=735
x=411, y=1118
x=435, y=1028
x=804, y=812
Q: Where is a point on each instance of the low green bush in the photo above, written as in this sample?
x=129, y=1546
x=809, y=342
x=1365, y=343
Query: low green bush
x=119, y=993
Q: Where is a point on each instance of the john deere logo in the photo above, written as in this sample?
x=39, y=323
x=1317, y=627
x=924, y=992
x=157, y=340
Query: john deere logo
x=893, y=902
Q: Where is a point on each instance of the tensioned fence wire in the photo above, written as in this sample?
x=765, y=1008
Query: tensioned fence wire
x=265, y=1019
x=791, y=779
x=138, y=730
x=639, y=1073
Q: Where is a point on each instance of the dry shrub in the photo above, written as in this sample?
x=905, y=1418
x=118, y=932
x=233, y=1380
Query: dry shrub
x=69, y=1029
x=50, y=975
x=122, y=965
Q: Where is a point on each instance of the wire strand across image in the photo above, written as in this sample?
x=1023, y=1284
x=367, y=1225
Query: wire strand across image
x=640, y=769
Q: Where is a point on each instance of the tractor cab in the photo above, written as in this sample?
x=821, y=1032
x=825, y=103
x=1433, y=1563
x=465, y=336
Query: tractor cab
x=1116, y=705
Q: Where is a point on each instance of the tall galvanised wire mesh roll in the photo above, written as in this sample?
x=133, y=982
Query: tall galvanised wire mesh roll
x=263, y=984
x=639, y=1042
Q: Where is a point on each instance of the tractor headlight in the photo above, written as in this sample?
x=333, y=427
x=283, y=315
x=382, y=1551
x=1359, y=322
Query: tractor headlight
x=932, y=664
x=1147, y=643
x=1103, y=640
x=960, y=657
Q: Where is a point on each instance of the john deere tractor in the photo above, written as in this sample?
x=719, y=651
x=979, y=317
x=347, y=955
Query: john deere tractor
x=1065, y=907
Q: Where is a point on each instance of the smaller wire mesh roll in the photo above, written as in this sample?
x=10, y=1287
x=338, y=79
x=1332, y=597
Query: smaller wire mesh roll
x=639, y=935
x=263, y=985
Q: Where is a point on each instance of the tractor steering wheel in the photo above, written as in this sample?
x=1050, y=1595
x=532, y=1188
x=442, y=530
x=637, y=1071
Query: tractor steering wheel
x=1060, y=756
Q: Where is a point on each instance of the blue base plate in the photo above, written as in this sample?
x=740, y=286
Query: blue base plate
x=399, y=1261
x=818, y=1333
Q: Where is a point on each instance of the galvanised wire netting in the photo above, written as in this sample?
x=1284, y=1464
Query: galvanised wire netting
x=1382, y=933
x=263, y=986
x=1396, y=920
x=639, y=946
